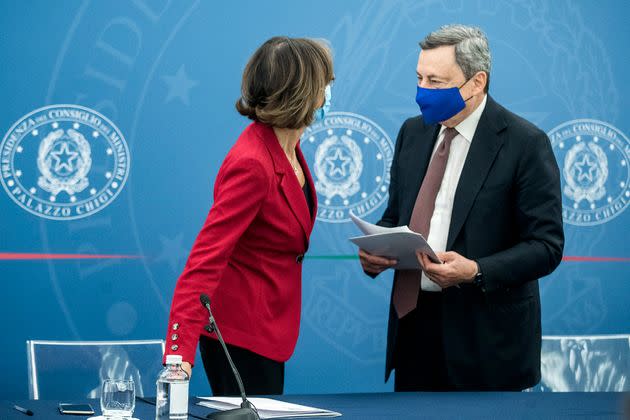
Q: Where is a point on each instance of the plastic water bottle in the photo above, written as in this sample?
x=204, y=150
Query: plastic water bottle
x=172, y=390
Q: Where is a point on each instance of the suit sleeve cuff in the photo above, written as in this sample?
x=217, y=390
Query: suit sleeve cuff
x=489, y=271
x=180, y=341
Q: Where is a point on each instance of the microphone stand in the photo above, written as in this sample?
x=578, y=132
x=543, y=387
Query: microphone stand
x=247, y=410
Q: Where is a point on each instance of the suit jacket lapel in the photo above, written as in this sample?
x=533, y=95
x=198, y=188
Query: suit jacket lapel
x=484, y=147
x=311, y=185
x=297, y=202
x=289, y=184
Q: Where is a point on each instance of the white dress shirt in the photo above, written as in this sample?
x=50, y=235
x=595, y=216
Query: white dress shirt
x=441, y=219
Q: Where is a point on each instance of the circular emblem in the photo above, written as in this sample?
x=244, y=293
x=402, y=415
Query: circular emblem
x=350, y=156
x=593, y=157
x=63, y=162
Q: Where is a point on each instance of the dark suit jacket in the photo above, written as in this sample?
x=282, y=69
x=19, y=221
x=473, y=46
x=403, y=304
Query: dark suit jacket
x=507, y=215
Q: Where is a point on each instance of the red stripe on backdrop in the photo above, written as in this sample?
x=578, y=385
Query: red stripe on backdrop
x=594, y=259
x=28, y=256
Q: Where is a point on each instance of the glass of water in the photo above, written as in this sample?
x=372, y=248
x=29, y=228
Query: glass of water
x=118, y=398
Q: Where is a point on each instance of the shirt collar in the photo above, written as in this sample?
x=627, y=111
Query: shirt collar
x=468, y=127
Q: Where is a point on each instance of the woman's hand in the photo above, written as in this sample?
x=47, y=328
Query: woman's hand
x=187, y=367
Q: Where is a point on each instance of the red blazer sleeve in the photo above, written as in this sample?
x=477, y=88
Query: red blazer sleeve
x=240, y=188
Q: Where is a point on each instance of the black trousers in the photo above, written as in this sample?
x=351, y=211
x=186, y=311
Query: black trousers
x=419, y=353
x=260, y=375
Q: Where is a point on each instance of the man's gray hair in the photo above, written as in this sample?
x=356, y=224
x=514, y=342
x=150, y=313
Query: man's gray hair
x=471, y=47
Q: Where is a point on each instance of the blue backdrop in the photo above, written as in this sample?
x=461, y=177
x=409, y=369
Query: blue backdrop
x=167, y=74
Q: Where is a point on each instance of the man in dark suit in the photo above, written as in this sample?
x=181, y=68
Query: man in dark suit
x=483, y=186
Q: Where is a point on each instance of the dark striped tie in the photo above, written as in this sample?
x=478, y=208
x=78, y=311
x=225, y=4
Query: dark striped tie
x=407, y=285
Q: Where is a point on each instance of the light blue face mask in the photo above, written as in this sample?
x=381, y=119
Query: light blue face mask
x=320, y=113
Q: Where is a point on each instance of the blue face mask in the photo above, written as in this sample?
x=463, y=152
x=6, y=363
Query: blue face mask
x=439, y=105
x=320, y=113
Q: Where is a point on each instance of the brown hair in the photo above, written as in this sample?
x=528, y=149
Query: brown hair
x=284, y=81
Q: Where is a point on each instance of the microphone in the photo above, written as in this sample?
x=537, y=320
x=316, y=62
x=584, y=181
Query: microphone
x=205, y=301
x=247, y=410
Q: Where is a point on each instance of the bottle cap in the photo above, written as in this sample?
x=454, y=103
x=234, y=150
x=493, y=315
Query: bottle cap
x=173, y=359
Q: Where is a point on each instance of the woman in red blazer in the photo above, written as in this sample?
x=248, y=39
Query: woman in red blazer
x=248, y=255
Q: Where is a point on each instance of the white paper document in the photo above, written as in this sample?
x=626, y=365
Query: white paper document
x=400, y=243
x=267, y=408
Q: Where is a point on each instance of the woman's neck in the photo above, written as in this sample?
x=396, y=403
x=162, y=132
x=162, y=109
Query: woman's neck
x=288, y=139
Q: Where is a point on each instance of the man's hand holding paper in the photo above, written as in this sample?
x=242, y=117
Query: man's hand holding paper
x=374, y=264
x=382, y=247
x=455, y=269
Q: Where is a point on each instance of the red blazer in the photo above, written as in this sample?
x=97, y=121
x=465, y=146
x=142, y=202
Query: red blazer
x=248, y=255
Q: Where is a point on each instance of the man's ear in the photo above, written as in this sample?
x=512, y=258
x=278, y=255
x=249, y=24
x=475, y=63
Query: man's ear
x=480, y=80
